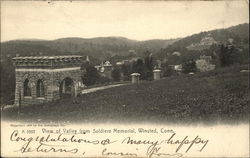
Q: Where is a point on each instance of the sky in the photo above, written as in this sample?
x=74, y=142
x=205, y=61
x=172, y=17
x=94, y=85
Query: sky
x=138, y=20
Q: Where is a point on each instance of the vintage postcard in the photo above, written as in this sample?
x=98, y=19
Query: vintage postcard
x=104, y=79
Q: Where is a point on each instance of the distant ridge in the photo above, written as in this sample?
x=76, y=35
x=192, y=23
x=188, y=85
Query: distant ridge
x=27, y=39
x=103, y=48
x=240, y=34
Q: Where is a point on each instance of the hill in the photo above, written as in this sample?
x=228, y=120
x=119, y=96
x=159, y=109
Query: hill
x=100, y=48
x=239, y=33
x=107, y=48
x=208, y=43
x=218, y=96
x=103, y=48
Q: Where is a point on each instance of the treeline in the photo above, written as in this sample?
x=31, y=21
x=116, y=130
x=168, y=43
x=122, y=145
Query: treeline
x=144, y=66
x=222, y=55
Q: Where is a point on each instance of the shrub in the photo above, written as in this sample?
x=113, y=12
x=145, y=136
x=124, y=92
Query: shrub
x=228, y=55
x=189, y=66
x=116, y=74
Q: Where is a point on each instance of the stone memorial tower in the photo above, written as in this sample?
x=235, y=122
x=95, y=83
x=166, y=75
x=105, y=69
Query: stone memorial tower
x=157, y=74
x=46, y=78
x=135, y=78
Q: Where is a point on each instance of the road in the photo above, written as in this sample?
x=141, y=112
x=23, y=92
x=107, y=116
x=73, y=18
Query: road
x=85, y=91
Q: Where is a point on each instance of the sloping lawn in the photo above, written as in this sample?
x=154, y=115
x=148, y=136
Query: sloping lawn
x=178, y=99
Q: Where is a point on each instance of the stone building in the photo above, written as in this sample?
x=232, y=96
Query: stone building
x=46, y=78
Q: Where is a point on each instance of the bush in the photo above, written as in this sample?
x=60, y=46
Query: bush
x=167, y=70
x=104, y=80
x=91, y=77
x=116, y=74
x=189, y=66
x=228, y=55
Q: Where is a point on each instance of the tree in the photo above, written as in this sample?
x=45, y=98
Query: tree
x=91, y=75
x=149, y=66
x=126, y=70
x=116, y=74
x=138, y=67
x=166, y=69
x=189, y=66
x=228, y=55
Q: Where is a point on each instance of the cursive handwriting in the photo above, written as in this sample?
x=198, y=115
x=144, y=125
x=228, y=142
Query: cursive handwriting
x=153, y=148
x=105, y=152
x=196, y=140
x=59, y=138
x=156, y=151
x=45, y=148
x=59, y=143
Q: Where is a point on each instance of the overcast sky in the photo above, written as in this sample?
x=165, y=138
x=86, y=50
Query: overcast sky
x=140, y=20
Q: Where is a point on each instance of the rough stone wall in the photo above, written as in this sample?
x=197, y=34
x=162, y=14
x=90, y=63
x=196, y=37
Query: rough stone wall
x=33, y=77
x=51, y=81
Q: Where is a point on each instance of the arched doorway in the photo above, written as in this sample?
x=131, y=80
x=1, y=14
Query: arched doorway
x=40, y=88
x=27, y=88
x=67, y=88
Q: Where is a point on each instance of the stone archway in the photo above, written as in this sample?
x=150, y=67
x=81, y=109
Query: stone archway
x=67, y=88
x=46, y=81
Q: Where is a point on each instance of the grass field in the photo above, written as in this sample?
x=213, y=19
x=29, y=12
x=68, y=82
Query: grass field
x=216, y=96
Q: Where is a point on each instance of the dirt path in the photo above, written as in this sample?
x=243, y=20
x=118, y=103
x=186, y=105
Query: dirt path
x=85, y=91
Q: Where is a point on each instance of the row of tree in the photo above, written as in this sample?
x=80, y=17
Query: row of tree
x=222, y=55
x=144, y=66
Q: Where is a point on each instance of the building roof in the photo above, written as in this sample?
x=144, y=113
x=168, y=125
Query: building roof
x=46, y=60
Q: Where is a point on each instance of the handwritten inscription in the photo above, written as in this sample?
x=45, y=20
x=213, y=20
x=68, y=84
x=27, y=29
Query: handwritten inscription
x=71, y=143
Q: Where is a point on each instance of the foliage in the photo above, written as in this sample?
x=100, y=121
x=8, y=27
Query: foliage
x=7, y=83
x=91, y=77
x=138, y=67
x=228, y=55
x=166, y=70
x=103, y=80
x=116, y=74
x=126, y=70
x=144, y=67
x=188, y=66
x=239, y=33
x=149, y=66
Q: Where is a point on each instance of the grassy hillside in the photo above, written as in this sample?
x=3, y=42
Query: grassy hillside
x=240, y=34
x=220, y=95
x=110, y=48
